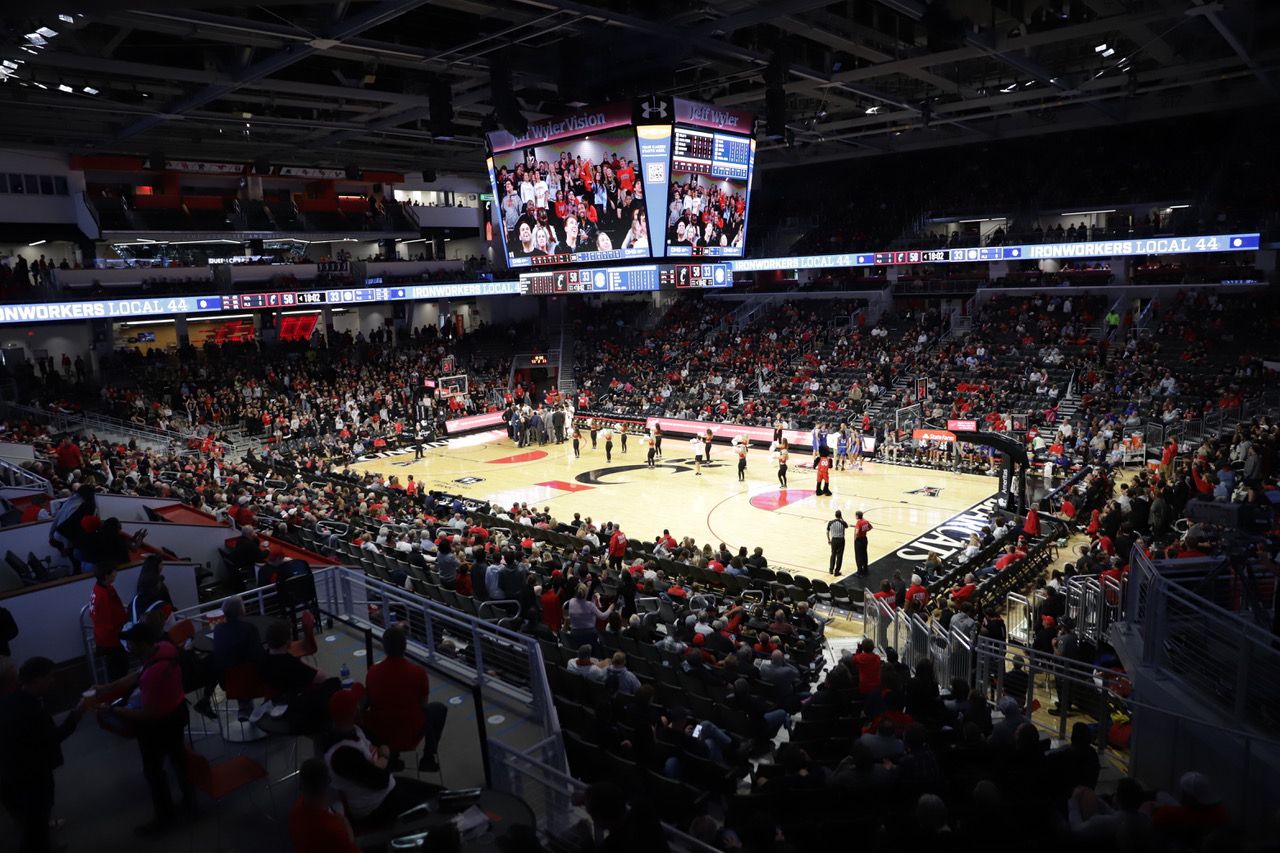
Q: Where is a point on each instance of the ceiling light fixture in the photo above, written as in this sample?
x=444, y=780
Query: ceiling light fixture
x=66, y=19
x=1100, y=48
x=873, y=110
x=46, y=32
x=1108, y=52
x=37, y=39
x=89, y=90
x=38, y=83
x=38, y=243
x=63, y=87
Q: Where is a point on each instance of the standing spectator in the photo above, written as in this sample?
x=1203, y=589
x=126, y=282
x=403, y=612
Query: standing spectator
x=159, y=720
x=583, y=615
x=30, y=751
x=107, y=612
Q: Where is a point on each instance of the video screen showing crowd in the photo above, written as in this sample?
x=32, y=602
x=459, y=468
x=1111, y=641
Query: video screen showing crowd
x=706, y=212
x=578, y=197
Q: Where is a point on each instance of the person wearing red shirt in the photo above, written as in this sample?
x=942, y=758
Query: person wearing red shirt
x=1008, y=558
x=861, y=527
x=617, y=549
x=315, y=826
x=627, y=177
x=669, y=540
x=965, y=591
x=68, y=457
x=1167, y=456
x=867, y=663
x=887, y=595
x=715, y=565
x=398, y=691
x=109, y=616
x=552, y=607
x=1031, y=526
x=917, y=592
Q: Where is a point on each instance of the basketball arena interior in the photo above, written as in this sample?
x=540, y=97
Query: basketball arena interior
x=439, y=424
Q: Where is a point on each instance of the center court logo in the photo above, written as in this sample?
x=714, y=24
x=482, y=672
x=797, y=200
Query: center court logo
x=469, y=481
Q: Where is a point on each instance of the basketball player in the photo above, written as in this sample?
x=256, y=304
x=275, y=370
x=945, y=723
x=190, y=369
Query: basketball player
x=695, y=445
x=783, y=455
x=706, y=439
x=842, y=448
x=651, y=442
x=742, y=459
x=657, y=440
x=855, y=449
x=608, y=442
x=823, y=467
x=577, y=441
x=595, y=431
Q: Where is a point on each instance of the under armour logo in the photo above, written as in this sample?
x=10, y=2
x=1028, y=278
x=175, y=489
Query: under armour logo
x=655, y=107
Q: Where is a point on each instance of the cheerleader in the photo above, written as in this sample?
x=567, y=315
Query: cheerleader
x=695, y=445
x=622, y=435
x=657, y=440
x=777, y=432
x=706, y=439
x=577, y=441
x=740, y=444
x=608, y=442
x=594, y=429
x=652, y=445
x=783, y=455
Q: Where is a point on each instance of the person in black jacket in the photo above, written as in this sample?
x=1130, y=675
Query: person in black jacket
x=30, y=751
x=8, y=632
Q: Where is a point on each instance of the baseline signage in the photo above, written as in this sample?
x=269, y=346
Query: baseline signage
x=1038, y=251
x=932, y=435
x=470, y=422
x=962, y=426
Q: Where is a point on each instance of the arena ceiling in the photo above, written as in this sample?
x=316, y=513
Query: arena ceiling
x=352, y=82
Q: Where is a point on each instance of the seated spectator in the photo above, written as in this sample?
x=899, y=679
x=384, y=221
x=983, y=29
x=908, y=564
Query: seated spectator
x=304, y=689
x=884, y=744
x=399, y=707
x=618, y=679
x=359, y=772
x=317, y=823
x=584, y=666
x=236, y=643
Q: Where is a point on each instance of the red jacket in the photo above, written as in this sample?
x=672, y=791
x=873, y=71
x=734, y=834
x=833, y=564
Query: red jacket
x=397, y=689
x=109, y=616
x=618, y=544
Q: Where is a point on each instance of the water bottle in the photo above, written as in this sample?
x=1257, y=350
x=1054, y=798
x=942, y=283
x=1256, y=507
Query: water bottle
x=344, y=675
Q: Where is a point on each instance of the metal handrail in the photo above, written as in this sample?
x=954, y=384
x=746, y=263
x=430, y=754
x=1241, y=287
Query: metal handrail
x=478, y=653
x=16, y=475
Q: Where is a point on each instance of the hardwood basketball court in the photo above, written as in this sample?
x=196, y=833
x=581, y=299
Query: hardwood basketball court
x=901, y=502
